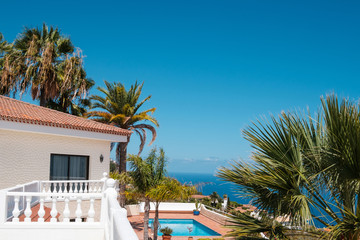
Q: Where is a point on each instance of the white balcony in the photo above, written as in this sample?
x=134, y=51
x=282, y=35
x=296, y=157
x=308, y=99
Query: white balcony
x=64, y=210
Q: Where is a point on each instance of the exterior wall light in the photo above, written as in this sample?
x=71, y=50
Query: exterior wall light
x=101, y=158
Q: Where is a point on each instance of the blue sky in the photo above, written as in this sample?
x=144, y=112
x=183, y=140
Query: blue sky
x=211, y=67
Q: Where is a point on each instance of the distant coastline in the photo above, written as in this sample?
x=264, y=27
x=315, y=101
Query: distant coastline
x=213, y=184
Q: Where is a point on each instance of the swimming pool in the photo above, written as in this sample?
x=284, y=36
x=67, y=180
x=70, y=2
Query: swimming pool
x=180, y=227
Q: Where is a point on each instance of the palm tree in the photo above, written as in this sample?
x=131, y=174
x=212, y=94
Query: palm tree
x=5, y=48
x=147, y=174
x=246, y=225
x=71, y=102
x=121, y=108
x=306, y=168
x=45, y=62
x=168, y=189
x=214, y=198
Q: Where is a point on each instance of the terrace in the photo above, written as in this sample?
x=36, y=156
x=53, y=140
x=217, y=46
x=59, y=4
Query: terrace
x=86, y=209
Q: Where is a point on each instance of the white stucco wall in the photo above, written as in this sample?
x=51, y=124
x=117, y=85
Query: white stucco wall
x=25, y=156
x=53, y=231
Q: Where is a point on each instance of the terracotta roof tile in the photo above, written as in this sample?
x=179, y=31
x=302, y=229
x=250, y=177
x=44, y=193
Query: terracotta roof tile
x=18, y=111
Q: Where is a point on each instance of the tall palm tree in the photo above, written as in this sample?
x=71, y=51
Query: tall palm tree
x=121, y=108
x=147, y=174
x=71, y=102
x=45, y=62
x=168, y=189
x=306, y=169
x=5, y=48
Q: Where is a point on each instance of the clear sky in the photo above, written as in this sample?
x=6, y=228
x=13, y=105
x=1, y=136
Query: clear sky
x=211, y=67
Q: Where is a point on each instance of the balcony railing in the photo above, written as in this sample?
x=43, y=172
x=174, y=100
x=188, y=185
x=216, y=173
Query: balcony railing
x=69, y=206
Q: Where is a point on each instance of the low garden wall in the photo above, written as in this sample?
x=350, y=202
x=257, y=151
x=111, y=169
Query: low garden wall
x=217, y=217
x=133, y=210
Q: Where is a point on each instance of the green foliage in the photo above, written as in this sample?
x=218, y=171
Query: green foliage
x=46, y=63
x=147, y=173
x=113, y=166
x=206, y=201
x=122, y=178
x=166, y=231
x=245, y=225
x=170, y=189
x=121, y=108
x=298, y=160
x=197, y=205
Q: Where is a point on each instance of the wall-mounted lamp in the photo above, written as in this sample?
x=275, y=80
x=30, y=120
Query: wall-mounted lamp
x=101, y=158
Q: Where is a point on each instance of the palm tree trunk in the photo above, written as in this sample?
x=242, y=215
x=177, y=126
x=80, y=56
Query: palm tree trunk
x=43, y=101
x=122, y=151
x=146, y=218
x=156, y=220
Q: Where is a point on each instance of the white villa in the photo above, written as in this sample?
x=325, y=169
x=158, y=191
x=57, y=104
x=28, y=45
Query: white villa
x=51, y=176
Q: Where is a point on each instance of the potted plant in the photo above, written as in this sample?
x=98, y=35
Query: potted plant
x=197, y=208
x=166, y=231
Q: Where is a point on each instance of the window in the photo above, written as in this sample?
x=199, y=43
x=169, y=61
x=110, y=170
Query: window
x=69, y=167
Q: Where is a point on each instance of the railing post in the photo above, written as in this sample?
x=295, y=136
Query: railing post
x=3, y=207
x=91, y=212
x=16, y=211
x=78, y=211
x=28, y=211
x=41, y=211
x=53, y=211
x=66, y=212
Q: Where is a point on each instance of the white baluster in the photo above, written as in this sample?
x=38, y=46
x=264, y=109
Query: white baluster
x=60, y=187
x=66, y=212
x=16, y=211
x=94, y=187
x=91, y=212
x=78, y=211
x=28, y=211
x=49, y=185
x=53, y=211
x=56, y=188
x=44, y=187
x=90, y=187
x=100, y=186
x=41, y=211
x=71, y=190
x=65, y=186
x=81, y=187
x=75, y=187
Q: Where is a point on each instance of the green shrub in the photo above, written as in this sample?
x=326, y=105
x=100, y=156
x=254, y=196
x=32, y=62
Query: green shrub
x=166, y=231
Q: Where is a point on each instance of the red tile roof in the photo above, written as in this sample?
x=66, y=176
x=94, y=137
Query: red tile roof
x=18, y=111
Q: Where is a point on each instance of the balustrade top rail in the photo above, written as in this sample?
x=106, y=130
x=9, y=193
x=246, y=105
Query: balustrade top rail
x=72, y=181
x=42, y=194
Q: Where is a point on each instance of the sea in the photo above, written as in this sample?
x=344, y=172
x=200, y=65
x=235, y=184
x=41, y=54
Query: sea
x=208, y=183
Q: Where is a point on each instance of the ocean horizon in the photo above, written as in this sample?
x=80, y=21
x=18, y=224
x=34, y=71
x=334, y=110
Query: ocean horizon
x=210, y=183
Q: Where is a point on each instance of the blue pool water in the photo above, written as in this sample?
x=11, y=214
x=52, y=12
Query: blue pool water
x=180, y=227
